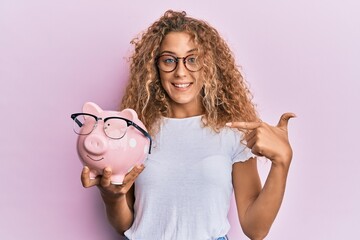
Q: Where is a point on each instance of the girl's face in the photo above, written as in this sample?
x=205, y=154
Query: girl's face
x=182, y=86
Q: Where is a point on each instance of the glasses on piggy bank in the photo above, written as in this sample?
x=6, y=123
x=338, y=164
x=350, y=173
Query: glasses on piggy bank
x=114, y=127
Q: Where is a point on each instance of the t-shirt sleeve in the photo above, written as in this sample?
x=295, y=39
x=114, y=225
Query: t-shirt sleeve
x=241, y=152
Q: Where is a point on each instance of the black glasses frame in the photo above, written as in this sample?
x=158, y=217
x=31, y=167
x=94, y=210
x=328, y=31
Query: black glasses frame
x=176, y=62
x=128, y=123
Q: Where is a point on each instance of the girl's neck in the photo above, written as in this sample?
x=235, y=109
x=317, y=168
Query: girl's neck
x=181, y=111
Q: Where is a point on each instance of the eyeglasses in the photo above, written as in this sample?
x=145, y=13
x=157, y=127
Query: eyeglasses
x=114, y=127
x=168, y=63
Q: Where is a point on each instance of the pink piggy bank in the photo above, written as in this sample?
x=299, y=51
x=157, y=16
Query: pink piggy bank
x=112, y=139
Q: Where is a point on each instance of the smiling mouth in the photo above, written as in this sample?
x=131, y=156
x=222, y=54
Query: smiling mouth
x=181, y=85
x=94, y=158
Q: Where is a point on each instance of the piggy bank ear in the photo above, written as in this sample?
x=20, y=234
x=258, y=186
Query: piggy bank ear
x=92, y=108
x=129, y=113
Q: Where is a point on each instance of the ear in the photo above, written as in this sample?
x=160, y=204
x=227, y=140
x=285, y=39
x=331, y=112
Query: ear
x=92, y=108
x=129, y=113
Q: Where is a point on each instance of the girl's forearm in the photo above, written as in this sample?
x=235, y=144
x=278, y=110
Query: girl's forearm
x=262, y=212
x=119, y=213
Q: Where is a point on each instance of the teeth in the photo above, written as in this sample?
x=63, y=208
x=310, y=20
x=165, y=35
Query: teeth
x=184, y=85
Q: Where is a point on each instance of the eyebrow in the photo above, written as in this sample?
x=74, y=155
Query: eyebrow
x=170, y=52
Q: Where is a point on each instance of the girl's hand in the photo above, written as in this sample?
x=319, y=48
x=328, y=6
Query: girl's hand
x=269, y=141
x=108, y=190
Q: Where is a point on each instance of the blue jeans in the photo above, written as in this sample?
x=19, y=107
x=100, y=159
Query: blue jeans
x=220, y=238
x=223, y=238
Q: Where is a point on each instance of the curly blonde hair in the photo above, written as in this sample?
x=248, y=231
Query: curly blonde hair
x=225, y=95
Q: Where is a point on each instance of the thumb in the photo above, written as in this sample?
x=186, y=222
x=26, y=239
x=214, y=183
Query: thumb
x=284, y=120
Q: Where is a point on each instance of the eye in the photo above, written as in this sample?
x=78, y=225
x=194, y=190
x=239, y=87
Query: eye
x=168, y=60
x=191, y=59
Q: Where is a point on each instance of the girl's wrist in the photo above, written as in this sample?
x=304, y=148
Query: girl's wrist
x=112, y=197
x=283, y=162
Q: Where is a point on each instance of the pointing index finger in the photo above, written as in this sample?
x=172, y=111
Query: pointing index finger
x=244, y=125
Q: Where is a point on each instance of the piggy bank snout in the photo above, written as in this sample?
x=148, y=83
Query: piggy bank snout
x=95, y=144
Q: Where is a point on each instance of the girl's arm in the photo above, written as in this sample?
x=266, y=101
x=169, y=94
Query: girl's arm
x=257, y=208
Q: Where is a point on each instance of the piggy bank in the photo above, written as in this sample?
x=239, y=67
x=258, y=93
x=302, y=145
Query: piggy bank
x=112, y=139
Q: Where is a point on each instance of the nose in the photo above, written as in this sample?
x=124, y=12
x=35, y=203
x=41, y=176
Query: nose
x=180, y=69
x=95, y=144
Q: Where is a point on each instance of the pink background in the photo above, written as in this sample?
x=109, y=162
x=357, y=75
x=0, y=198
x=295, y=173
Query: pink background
x=300, y=56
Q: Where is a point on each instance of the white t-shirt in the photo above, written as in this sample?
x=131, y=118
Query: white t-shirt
x=184, y=191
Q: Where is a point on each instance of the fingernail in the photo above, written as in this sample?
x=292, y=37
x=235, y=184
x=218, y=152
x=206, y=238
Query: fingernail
x=139, y=167
x=85, y=169
x=228, y=124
